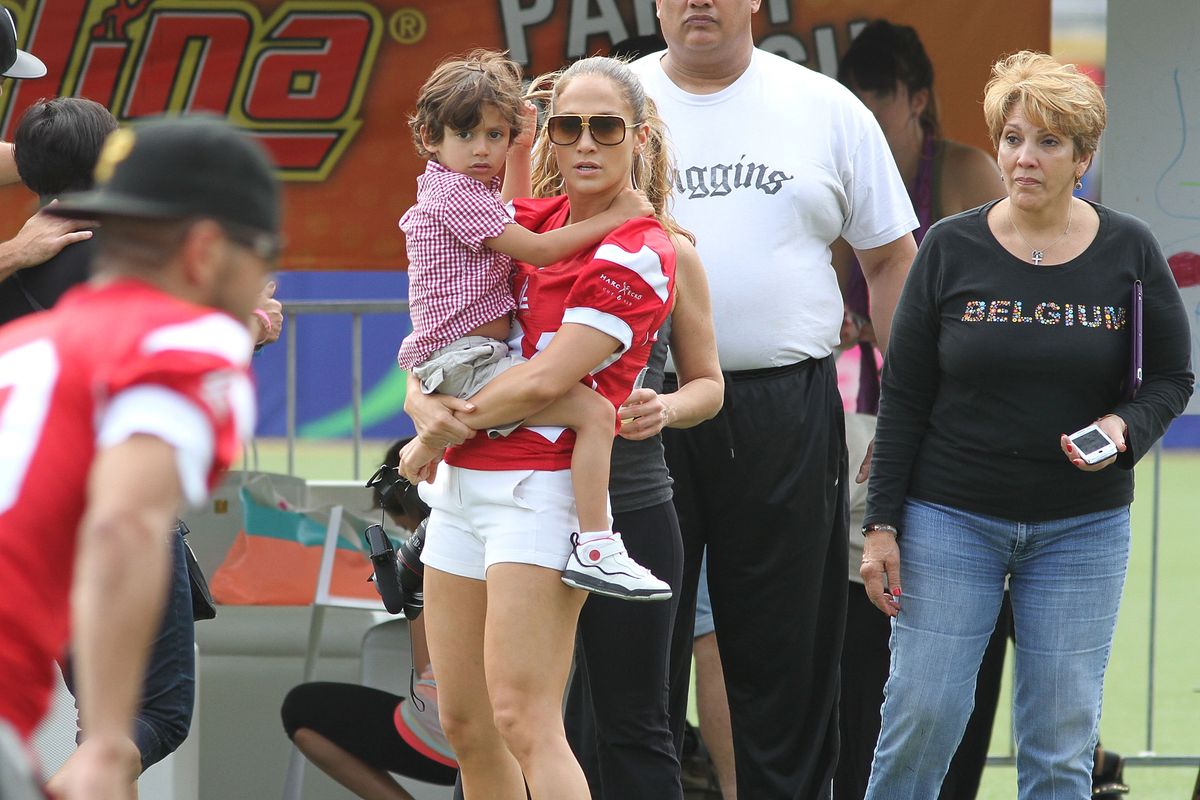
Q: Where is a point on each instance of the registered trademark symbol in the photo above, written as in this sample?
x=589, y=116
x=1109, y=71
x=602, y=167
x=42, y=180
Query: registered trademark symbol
x=408, y=26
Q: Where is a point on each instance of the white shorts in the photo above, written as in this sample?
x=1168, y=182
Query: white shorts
x=483, y=517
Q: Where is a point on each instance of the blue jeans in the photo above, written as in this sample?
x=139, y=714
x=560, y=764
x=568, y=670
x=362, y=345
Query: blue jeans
x=1065, y=583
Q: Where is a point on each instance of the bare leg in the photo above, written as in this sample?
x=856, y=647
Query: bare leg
x=529, y=641
x=455, y=609
x=356, y=775
x=712, y=706
x=594, y=421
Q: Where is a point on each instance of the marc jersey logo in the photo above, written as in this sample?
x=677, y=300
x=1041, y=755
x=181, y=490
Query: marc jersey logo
x=294, y=79
x=623, y=291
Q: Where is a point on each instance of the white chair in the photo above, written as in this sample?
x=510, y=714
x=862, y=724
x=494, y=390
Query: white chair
x=293, y=786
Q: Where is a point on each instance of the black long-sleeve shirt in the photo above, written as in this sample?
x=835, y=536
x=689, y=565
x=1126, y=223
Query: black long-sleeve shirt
x=992, y=359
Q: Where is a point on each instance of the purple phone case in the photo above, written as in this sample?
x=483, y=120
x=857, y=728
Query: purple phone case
x=1133, y=381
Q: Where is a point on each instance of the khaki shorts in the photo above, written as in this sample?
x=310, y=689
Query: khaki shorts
x=464, y=367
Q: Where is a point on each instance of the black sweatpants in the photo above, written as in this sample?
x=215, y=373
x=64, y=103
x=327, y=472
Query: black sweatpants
x=616, y=718
x=763, y=486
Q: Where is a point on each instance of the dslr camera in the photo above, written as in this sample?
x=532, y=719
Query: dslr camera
x=399, y=574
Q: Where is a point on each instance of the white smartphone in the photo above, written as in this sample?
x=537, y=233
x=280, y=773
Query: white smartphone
x=1093, y=444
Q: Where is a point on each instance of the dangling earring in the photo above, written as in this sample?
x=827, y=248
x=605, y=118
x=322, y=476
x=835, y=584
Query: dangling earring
x=638, y=166
x=1078, y=182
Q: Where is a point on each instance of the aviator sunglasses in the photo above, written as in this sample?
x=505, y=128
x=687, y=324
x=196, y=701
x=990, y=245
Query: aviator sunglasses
x=606, y=129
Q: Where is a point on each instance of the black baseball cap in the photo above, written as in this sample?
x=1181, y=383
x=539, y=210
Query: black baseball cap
x=182, y=167
x=16, y=63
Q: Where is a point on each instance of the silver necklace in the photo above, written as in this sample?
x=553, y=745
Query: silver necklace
x=1038, y=254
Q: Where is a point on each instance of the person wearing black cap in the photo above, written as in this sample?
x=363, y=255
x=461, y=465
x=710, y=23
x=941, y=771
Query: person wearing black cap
x=42, y=236
x=126, y=399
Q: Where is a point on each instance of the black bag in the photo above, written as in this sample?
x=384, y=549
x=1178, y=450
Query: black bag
x=202, y=600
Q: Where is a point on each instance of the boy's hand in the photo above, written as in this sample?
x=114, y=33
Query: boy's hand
x=418, y=460
x=525, y=138
x=632, y=203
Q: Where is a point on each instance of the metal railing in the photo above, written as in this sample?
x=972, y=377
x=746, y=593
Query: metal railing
x=356, y=309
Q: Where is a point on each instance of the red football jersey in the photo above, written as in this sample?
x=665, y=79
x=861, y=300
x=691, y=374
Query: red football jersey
x=624, y=287
x=105, y=363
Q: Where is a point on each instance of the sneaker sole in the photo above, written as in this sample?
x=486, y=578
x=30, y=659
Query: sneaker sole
x=594, y=585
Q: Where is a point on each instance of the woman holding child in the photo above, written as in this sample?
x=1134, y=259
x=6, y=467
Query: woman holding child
x=501, y=621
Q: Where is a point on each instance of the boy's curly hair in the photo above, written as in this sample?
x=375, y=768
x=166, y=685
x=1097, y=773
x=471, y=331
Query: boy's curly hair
x=455, y=93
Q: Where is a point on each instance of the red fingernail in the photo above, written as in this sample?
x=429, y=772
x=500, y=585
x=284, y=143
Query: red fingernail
x=896, y=592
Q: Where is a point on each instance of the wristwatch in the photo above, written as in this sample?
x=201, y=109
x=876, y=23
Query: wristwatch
x=871, y=527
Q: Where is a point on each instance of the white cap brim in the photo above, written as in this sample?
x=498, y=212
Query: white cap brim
x=26, y=66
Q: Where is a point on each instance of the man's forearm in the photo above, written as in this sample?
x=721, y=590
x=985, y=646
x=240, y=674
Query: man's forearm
x=886, y=269
x=10, y=259
x=884, y=296
x=121, y=576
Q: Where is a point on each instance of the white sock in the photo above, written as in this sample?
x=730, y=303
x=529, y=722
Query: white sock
x=594, y=536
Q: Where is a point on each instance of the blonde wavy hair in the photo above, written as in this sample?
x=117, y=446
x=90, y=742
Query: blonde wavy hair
x=1055, y=96
x=653, y=168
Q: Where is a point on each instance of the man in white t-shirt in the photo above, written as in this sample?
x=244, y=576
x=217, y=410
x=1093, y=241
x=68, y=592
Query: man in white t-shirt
x=775, y=163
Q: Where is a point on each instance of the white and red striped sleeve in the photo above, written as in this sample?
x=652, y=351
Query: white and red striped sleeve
x=189, y=385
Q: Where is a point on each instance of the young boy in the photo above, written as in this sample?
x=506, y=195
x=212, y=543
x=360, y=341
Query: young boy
x=460, y=242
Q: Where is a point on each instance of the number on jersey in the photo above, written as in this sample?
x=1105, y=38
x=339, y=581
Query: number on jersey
x=27, y=377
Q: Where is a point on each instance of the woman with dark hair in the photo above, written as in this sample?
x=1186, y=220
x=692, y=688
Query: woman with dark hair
x=886, y=66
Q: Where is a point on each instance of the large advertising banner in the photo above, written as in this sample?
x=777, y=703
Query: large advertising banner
x=327, y=86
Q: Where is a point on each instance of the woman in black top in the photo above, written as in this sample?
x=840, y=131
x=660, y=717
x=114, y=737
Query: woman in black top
x=1014, y=330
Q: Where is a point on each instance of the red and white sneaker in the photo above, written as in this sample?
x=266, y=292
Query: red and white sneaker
x=603, y=566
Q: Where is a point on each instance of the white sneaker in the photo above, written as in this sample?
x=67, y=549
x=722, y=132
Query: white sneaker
x=604, y=567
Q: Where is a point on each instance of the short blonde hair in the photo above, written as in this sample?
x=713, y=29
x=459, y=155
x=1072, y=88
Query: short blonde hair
x=1055, y=96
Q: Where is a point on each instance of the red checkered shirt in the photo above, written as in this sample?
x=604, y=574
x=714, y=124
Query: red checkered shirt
x=455, y=282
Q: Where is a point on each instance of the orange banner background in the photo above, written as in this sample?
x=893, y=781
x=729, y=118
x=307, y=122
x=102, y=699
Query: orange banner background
x=353, y=67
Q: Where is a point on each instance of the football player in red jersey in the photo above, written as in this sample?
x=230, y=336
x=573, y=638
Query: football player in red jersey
x=126, y=399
